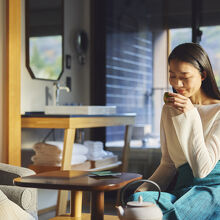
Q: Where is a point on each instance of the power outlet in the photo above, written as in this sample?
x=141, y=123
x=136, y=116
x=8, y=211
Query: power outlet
x=68, y=82
x=68, y=61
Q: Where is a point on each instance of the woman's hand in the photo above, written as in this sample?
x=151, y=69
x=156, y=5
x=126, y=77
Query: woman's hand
x=179, y=102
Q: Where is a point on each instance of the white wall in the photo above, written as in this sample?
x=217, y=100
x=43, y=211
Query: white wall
x=76, y=18
x=2, y=70
x=33, y=96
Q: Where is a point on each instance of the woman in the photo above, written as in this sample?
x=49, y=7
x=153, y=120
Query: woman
x=190, y=140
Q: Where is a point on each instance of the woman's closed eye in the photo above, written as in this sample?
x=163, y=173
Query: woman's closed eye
x=172, y=77
x=181, y=78
x=185, y=78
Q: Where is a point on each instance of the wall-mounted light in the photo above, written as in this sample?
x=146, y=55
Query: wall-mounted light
x=81, y=45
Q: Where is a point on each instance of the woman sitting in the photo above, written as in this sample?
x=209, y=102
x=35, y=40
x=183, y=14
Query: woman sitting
x=190, y=140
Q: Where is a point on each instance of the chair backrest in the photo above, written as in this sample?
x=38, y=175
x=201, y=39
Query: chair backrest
x=2, y=196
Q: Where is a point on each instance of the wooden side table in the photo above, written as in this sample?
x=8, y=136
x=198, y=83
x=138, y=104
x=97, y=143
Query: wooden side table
x=70, y=123
x=77, y=182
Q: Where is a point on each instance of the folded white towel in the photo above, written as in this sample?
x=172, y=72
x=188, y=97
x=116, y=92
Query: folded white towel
x=77, y=159
x=94, y=146
x=50, y=153
x=77, y=148
x=95, y=150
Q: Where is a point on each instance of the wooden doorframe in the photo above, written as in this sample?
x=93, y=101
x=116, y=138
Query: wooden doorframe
x=12, y=85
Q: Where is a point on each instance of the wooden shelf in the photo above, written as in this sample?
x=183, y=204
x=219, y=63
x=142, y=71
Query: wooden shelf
x=41, y=169
x=70, y=124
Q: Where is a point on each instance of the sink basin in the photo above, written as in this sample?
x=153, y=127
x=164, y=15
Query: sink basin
x=80, y=110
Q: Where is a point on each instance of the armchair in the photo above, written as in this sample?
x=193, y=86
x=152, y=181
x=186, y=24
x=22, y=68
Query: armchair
x=25, y=198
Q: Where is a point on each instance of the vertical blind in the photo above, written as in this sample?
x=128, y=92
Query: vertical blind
x=129, y=77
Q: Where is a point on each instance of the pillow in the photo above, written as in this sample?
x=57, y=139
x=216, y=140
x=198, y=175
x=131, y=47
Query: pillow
x=11, y=211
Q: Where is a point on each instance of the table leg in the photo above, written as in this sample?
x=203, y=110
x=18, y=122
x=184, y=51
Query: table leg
x=125, y=154
x=126, y=148
x=69, y=135
x=76, y=203
x=97, y=206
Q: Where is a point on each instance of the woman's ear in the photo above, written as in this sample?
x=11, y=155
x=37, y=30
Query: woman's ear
x=204, y=74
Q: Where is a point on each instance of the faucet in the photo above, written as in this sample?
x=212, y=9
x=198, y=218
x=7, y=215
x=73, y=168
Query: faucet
x=56, y=92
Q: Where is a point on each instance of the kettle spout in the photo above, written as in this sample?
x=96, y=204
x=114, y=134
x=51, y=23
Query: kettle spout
x=120, y=211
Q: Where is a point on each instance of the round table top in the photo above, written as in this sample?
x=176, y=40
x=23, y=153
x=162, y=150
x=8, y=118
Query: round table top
x=76, y=180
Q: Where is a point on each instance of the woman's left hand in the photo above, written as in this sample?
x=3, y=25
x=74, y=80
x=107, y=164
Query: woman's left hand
x=179, y=102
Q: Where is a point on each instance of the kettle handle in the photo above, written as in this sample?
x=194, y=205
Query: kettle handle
x=122, y=192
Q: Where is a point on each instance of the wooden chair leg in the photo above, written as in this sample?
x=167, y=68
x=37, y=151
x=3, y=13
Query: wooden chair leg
x=126, y=148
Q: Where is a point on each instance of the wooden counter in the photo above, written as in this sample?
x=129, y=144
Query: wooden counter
x=70, y=123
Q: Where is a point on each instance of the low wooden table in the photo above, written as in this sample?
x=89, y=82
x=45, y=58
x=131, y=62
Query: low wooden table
x=78, y=181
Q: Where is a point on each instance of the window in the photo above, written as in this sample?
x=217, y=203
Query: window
x=129, y=68
x=129, y=77
x=209, y=42
x=180, y=35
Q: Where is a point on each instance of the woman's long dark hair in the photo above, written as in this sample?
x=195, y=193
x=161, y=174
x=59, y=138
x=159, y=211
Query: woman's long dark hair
x=194, y=54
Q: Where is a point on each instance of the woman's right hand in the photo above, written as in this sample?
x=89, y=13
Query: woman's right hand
x=178, y=101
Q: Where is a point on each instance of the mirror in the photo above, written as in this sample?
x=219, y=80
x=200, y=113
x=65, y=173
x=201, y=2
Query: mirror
x=44, y=38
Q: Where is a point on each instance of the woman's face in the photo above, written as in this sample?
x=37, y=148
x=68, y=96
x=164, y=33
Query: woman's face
x=184, y=78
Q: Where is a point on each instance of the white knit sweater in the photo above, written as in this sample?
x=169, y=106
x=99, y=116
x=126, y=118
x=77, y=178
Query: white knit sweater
x=192, y=137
